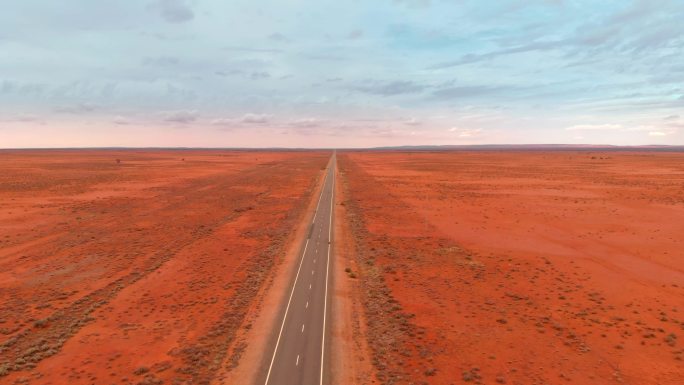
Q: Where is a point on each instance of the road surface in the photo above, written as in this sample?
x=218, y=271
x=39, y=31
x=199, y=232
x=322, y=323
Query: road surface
x=299, y=354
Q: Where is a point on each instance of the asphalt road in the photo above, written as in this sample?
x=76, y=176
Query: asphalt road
x=299, y=355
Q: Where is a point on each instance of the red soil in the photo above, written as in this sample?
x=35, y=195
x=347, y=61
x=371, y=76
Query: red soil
x=520, y=267
x=350, y=358
x=141, y=271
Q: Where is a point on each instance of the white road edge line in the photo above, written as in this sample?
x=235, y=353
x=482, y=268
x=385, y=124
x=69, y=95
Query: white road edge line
x=302, y=328
x=327, y=268
x=287, y=308
x=297, y=364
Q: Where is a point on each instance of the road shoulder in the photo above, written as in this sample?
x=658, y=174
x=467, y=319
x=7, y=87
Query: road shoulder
x=258, y=331
x=350, y=357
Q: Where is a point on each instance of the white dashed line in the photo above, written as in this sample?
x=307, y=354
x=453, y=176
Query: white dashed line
x=287, y=308
x=325, y=190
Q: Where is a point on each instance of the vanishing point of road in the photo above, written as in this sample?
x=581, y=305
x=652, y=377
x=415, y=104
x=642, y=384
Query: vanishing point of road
x=299, y=354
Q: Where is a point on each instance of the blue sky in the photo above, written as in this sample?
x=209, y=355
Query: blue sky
x=307, y=73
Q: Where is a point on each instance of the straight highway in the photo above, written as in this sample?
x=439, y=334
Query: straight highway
x=299, y=354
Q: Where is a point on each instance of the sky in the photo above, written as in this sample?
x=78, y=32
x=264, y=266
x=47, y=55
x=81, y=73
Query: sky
x=321, y=73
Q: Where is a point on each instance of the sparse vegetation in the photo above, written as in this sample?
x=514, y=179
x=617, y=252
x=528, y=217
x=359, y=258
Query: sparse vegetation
x=472, y=375
x=141, y=370
x=128, y=233
x=418, y=266
x=671, y=339
x=41, y=323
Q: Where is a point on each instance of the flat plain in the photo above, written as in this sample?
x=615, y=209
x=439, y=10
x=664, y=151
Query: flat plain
x=515, y=267
x=452, y=267
x=140, y=267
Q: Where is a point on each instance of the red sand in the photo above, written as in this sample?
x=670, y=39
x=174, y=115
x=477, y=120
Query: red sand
x=140, y=271
x=350, y=358
x=520, y=267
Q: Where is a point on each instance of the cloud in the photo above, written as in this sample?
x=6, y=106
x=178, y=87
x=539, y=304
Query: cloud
x=252, y=49
x=355, y=34
x=226, y=124
x=80, y=108
x=252, y=75
x=653, y=130
x=638, y=9
x=594, y=127
x=412, y=122
x=249, y=118
x=173, y=11
x=121, y=121
x=659, y=130
x=475, y=57
x=307, y=122
x=391, y=88
x=413, y=3
x=279, y=37
x=526, y=72
x=255, y=118
x=168, y=38
x=465, y=132
x=161, y=61
x=24, y=118
x=622, y=33
x=222, y=122
x=311, y=126
x=227, y=73
x=323, y=57
x=182, y=117
x=257, y=75
x=464, y=92
x=643, y=127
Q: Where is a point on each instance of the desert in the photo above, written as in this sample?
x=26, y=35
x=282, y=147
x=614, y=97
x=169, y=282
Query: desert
x=140, y=266
x=448, y=267
x=399, y=192
x=514, y=267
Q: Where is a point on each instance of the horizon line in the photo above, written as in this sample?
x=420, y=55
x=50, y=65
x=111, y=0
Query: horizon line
x=557, y=146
